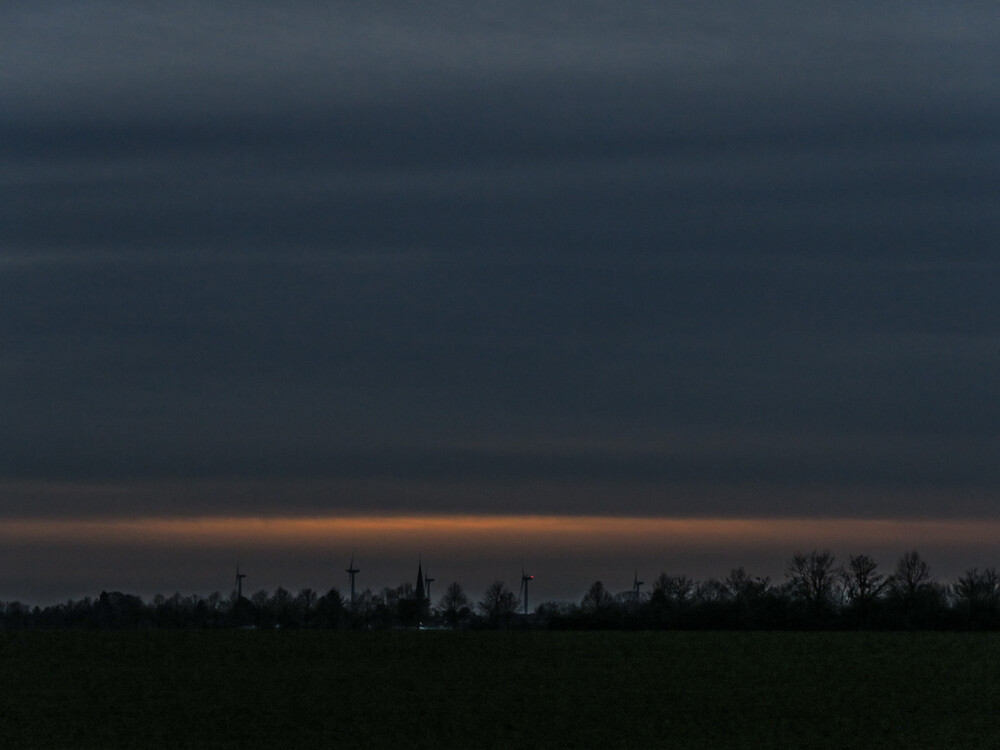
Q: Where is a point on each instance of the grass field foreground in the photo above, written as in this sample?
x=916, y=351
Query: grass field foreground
x=266, y=689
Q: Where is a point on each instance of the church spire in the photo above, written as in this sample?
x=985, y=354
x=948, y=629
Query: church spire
x=420, y=582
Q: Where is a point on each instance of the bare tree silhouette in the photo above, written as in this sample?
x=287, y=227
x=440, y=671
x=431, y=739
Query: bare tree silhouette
x=978, y=595
x=812, y=581
x=454, y=605
x=498, y=604
x=863, y=587
x=597, y=599
x=912, y=575
x=914, y=597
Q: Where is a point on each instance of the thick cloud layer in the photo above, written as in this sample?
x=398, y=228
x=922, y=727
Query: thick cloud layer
x=740, y=244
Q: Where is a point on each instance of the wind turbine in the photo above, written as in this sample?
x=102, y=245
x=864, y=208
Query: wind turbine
x=524, y=586
x=427, y=586
x=636, y=583
x=352, y=571
x=239, y=581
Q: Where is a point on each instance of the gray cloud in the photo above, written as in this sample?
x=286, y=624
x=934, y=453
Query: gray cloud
x=338, y=241
x=225, y=54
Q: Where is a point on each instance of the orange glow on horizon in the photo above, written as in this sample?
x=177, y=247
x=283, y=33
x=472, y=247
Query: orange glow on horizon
x=489, y=530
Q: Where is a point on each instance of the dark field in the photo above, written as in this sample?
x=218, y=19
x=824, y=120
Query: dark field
x=495, y=689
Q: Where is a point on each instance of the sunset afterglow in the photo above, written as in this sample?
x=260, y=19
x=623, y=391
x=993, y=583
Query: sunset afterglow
x=553, y=532
x=152, y=555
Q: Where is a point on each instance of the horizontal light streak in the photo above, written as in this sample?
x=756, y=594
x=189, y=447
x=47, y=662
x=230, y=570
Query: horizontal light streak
x=554, y=530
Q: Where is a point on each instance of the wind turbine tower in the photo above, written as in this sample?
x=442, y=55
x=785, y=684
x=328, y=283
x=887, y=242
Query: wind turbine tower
x=427, y=586
x=352, y=571
x=636, y=583
x=524, y=585
x=239, y=581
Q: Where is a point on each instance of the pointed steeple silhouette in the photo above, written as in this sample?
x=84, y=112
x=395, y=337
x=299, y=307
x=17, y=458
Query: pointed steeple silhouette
x=420, y=582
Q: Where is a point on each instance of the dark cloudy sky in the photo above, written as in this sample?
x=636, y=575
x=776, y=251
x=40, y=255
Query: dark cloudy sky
x=725, y=259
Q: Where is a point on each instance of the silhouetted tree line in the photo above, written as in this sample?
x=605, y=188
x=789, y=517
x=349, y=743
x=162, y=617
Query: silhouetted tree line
x=816, y=593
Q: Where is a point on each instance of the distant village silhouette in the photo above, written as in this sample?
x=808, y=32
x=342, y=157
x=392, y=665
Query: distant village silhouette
x=817, y=594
